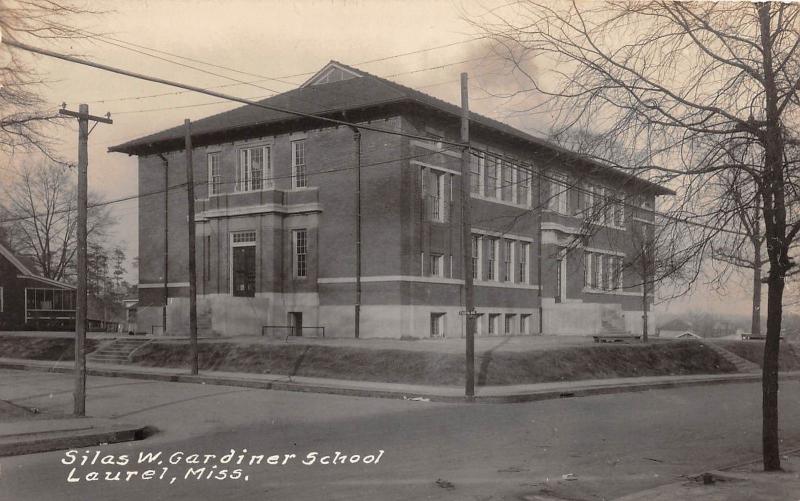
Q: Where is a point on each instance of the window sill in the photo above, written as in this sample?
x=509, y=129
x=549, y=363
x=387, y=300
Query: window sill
x=609, y=226
x=244, y=192
x=615, y=292
x=499, y=201
x=558, y=212
x=508, y=285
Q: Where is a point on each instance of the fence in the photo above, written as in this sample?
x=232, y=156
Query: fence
x=286, y=331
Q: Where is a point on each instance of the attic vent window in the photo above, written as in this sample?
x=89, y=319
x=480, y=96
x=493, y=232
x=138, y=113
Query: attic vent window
x=333, y=74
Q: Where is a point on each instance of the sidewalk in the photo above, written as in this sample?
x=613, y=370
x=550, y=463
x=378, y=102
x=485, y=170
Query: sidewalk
x=747, y=482
x=487, y=394
x=41, y=435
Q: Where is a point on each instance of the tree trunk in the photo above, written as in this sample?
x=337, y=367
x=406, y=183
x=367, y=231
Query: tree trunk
x=644, y=306
x=755, y=324
x=769, y=386
x=774, y=208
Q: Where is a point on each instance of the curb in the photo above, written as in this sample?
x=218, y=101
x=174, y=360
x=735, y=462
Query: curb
x=581, y=389
x=16, y=445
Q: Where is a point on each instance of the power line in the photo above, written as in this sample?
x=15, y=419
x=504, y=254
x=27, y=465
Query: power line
x=188, y=87
x=148, y=78
x=181, y=107
x=281, y=78
x=210, y=103
x=201, y=183
x=240, y=82
x=105, y=38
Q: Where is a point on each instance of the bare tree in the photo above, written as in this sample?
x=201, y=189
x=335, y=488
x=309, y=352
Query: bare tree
x=40, y=215
x=665, y=77
x=746, y=250
x=25, y=118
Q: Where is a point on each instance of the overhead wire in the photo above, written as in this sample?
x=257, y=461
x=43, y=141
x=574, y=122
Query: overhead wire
x=202, y=183
x=281, y=78
x=287, y=111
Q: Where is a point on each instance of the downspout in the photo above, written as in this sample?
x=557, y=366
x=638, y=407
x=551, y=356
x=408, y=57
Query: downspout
x=166, y=244
x=539, y=252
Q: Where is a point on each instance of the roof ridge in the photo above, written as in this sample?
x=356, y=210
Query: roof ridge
x=25, y=271
x=238, y=117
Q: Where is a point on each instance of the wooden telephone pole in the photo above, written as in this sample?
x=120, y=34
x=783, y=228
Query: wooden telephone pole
x=466, y=226
x=192, y=261
x=83, y=117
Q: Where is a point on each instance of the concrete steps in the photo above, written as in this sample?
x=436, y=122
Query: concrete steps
x=742, y=365
x=116, y=352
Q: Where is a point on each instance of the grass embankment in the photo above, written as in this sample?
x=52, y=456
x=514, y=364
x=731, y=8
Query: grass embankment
x=41, y=348
x=753, y=351
x=11, y=412
x=418, y=367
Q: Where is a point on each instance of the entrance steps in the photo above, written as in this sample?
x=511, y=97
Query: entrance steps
x=116, y=352
x=741, y=364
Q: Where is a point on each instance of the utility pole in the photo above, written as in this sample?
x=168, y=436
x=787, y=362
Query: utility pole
x=466, y=225
x=357, y=139
x=83, y=116
x=192, y=263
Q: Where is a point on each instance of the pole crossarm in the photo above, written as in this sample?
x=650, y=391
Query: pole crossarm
x=78, y=115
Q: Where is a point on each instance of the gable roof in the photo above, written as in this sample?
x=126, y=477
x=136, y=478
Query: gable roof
x=354, y=89
x=25, y=272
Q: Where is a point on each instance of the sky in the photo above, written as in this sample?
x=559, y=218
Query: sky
x=279, y=44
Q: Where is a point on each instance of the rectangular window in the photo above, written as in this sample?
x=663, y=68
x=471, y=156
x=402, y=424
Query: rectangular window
x=608, y=277
x=437, y=197
x=507, y=187
x=299, y=179
x=558, y=200
x=619, y=212
x=214, y=174
x=437, y=324
x=524, y=324
x=433, y=194
x=614, y=273
x=479, y=330
x=243, y=264
x=523, y=187
x=604, y=205
x=494, y=321
x=492, y=179
x=524, y=270
x=587, y=269
x=437, y=265
x=588, y=200
x=491, y=264
x=559, y=281
x=244, y=237
x=508, y=262
x=255, y=169
x=476, y=257
x=509, y=324
x=300, y=241
x=598, y=284
x=476, y=167
x=2, y=300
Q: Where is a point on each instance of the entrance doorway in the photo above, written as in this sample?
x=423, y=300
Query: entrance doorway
x=295, y=323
